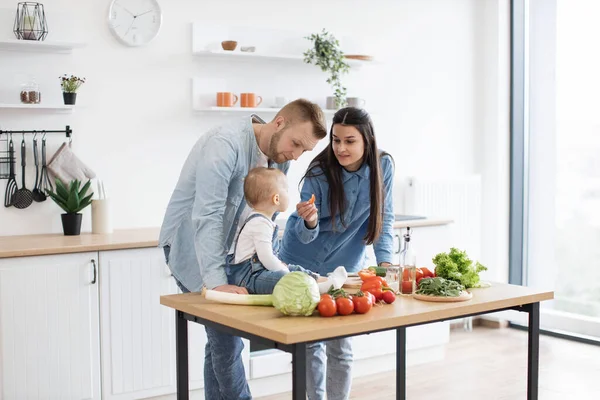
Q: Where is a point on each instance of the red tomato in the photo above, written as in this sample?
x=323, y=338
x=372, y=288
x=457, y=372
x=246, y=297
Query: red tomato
x=407, y=287
x=362, y=304
x=327, y=307
x=344, y=305
x=389, y=296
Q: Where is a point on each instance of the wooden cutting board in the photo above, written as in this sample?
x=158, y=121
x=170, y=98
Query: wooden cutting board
x=464, y=296
x=352, y=282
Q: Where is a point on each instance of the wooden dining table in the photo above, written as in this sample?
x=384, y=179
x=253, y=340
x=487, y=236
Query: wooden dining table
x=271, y=328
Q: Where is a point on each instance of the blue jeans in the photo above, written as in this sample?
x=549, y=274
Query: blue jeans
x=224, y=375
x=335, y=356
x=252, y=275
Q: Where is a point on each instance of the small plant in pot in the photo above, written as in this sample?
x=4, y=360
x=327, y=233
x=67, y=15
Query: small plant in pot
x=72, y=199
x=327, y=55
x=70, y=85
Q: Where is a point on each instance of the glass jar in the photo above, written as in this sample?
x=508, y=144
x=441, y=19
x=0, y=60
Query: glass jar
x=30, y=92
x=392, y=277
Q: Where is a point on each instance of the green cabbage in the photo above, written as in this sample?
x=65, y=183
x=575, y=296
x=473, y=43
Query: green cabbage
x=297, y=293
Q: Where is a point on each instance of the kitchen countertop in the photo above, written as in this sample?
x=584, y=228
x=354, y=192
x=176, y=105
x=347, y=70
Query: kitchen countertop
x=57, y=243
x=35, y=245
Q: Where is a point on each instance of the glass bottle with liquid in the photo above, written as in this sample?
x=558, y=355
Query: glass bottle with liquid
x=408, y=266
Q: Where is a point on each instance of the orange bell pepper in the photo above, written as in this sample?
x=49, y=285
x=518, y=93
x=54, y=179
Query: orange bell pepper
x=365, y=274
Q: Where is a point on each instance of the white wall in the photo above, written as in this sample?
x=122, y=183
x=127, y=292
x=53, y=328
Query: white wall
x=134, y=125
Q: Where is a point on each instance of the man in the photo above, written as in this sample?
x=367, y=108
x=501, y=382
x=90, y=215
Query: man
x=207, y=206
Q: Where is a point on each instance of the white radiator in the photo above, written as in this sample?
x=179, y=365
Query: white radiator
x=457, y=198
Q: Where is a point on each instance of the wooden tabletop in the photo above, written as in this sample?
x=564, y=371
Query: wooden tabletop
x=269, y=323
x=35, y=245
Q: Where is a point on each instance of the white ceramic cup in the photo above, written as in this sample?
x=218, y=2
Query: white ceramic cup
x=101, y=216
x=280, y=101
x=355, y=102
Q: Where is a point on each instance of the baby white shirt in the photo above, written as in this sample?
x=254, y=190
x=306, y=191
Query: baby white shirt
x=256, y=237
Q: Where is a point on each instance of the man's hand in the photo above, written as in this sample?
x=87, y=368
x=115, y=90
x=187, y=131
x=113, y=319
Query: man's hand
x=309, y=213
x=384, y=264
x=231, y=289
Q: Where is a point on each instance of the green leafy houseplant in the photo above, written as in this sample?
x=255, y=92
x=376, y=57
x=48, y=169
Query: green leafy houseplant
x=327, y=55
x=70, y=84
x=72, y=200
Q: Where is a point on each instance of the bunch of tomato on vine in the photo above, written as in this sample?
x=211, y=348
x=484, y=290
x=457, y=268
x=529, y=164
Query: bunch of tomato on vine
x=373, y=290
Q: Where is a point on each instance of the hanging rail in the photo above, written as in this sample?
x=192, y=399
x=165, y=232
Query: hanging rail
x=67, y=131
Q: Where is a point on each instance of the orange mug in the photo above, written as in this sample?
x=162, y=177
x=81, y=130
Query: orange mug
x=226, y=99
x=249, y=100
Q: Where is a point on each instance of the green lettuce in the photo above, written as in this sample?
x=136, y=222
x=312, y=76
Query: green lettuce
x=457, y=266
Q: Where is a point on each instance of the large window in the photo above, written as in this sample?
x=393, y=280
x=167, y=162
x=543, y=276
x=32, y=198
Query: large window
x=561, y=161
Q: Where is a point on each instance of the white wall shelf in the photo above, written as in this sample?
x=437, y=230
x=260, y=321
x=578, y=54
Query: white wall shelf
x=39, y=46
x=204, y=99
x=58, y=107
x=240, y=55
x=230, y=110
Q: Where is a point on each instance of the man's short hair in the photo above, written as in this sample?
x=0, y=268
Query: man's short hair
x=260, y=184
x=302, y=110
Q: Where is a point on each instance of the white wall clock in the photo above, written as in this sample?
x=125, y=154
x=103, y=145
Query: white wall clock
x=134, y=22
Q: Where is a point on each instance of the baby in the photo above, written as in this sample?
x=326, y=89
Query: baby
x=254, y=263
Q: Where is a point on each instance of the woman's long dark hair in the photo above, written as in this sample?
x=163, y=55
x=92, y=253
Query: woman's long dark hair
x=332, y=170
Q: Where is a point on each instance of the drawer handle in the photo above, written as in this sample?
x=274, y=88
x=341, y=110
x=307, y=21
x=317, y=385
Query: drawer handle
x=94, y=265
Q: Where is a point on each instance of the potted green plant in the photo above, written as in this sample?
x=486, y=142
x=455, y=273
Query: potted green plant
x=69, y=85
x=72, y=200
x=327, y=55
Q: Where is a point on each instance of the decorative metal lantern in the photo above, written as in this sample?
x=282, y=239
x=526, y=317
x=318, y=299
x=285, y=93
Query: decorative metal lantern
x=30, y=21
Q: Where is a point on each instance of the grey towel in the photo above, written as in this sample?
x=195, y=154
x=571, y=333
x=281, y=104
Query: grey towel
x=66, y=166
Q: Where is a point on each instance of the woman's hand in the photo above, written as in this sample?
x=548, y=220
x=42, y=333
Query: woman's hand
x=309, y=213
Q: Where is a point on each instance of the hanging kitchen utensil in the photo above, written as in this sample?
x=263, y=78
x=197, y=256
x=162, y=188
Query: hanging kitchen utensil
x=37, y=193
x=11, y=186
x=23, y=197
x=45, y=183
x=4, y=161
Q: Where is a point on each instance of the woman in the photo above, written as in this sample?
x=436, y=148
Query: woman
x=352, y=181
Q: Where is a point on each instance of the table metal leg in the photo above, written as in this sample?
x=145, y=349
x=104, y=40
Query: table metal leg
x=181, y=353
x=299, y=372
x=533, y=353
x=401, y=363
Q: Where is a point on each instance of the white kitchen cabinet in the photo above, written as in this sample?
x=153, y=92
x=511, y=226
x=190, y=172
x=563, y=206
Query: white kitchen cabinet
x=49, y=334
x=138, y=333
